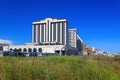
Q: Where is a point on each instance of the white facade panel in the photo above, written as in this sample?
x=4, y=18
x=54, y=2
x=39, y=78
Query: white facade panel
x=56, y=32
x=49, y=32
x=61, y=33
x=36, y=34
x=44, y=33
x=65, y=33
x=52, y=32
x=32, y=33
x=40, y=33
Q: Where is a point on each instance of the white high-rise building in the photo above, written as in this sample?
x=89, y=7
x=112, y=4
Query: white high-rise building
x=50, y=31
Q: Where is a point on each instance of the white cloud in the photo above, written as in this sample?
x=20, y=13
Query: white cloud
x=6, y=41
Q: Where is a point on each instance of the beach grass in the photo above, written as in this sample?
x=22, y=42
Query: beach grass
x=60, y=68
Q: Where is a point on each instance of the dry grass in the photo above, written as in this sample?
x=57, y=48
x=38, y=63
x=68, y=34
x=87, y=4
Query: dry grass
x=60, y=68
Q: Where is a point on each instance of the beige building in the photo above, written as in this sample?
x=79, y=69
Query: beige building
x=87, y=50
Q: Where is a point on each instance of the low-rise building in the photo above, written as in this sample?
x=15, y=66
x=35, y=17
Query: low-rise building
x=2, y=45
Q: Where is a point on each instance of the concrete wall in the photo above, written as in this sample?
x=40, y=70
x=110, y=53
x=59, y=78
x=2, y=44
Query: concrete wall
x=57, y=49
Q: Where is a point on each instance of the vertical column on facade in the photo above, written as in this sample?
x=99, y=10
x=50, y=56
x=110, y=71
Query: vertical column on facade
x=65, y=32
x=61, y=33
x=75, y=38
x=40, y=34
x=33, y=33
x=56, y=32
x=52, y=32
x=36, y=33
x=44, y=32
x=49, y=32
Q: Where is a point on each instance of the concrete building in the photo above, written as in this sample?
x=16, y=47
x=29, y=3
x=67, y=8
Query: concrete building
x=51, y=36
x=79, y=45
x=87, y=50
x=72, y=38
x=2, y=45
x=2, y=48
x=50, y=31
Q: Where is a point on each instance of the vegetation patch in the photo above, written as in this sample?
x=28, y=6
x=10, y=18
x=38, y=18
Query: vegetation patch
x=60, y=68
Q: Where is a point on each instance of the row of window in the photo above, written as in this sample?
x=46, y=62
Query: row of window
x=27, y=50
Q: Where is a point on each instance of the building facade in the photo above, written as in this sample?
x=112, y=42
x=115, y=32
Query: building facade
x=72, y=38
x=50, y=31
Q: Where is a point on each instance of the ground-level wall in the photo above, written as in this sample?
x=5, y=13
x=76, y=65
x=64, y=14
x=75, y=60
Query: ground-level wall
x=58, y=49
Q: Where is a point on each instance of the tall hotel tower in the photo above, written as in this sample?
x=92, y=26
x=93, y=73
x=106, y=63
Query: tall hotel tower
x=50, y=32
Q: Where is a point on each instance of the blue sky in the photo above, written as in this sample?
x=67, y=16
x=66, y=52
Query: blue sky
x=97, y=21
